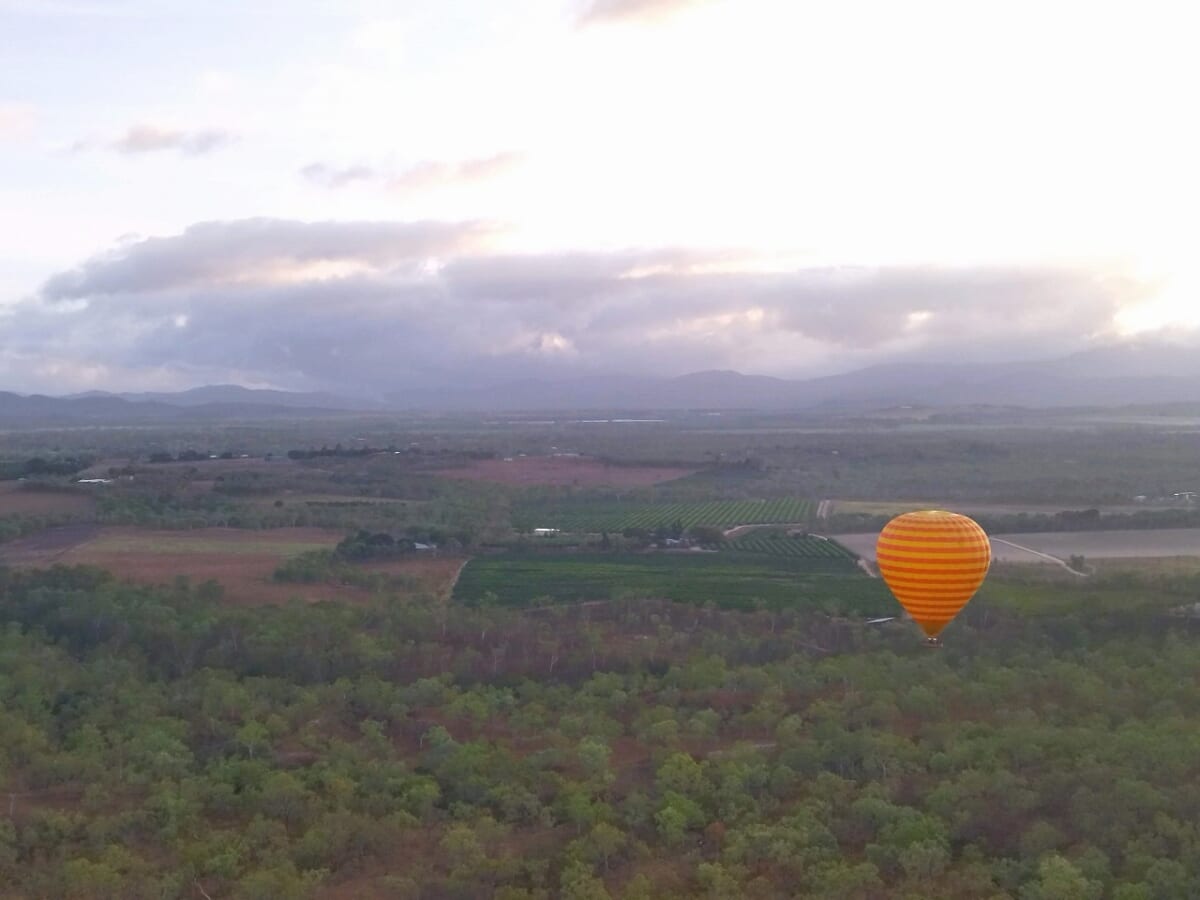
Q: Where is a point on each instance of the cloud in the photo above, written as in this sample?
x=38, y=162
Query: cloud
x=869, y=307
x=260, y=251
x=144, y=138
x=16, y=119
x=332, y=177
x=599, y=11
x=385, y=306
x=152, y=138
x=421, y=176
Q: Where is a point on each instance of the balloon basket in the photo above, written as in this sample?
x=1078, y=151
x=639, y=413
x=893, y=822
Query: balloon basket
x=933, y=642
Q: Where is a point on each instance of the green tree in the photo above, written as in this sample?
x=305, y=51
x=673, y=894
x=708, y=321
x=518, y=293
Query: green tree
x=1058, y=879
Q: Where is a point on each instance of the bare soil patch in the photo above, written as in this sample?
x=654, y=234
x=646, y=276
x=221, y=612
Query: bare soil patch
x=241, y=561
x=563, y=470
x=17, y=499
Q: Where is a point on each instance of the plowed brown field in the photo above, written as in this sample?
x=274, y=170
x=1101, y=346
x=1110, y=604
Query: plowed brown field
x=241, y=561
x=16, y=499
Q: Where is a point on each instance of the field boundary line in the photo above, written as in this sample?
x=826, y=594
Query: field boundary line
x=866, y=567
x=737, y=530
x=1045, y=556
x=449, y=592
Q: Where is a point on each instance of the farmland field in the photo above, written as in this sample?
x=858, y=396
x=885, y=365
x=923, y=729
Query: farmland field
x=800, y=547
x=728, y=580
x=617, y=515
x=241, y=561
x=231, y=541
x=563, y=470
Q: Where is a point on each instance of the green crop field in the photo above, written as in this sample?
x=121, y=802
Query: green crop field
x=729, y=580
x=615, y=515
x=773, y=543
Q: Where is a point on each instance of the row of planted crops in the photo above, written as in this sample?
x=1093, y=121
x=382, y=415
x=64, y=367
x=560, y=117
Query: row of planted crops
x=795, y=546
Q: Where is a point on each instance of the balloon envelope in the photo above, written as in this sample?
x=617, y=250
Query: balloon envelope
x=934, y=562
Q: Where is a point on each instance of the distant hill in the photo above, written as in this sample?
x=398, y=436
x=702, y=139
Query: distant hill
x=234, y=393
x=1110, y=377
x=109, y=409
x=1107, y=377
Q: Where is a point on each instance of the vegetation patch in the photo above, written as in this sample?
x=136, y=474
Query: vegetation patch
x=158, y=745
x=728, y=580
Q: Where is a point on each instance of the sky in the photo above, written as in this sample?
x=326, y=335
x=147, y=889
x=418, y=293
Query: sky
x=362, y=196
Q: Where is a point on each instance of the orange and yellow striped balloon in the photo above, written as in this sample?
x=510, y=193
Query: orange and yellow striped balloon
x=934, y=562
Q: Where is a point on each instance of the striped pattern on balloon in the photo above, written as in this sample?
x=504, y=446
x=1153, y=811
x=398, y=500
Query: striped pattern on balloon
x=933, y=561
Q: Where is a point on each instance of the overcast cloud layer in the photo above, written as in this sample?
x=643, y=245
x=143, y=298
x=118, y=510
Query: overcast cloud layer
x=380, y=306
x=367, y=196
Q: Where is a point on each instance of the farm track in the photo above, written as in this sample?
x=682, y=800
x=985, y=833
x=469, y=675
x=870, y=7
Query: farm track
x=448, y=591
x=1038, y=553
x=738, y=530
x=1055, y=547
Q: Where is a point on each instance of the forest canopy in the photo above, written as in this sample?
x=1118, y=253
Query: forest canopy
x=155, y=744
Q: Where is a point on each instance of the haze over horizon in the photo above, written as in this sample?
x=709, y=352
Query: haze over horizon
x=362, y=196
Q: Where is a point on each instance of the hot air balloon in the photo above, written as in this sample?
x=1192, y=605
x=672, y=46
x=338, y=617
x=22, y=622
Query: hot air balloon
x=934, y=562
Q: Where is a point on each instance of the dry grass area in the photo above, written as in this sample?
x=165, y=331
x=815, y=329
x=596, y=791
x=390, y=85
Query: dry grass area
x=16, y=499
x=563, y=470
x=241, y=561
x=435, y=574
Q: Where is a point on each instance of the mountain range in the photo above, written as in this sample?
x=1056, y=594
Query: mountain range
x=1114, y=376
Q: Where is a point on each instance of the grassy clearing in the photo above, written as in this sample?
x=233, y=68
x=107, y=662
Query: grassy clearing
x=242, y=544
x=729, y=580
x=1161, y=565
